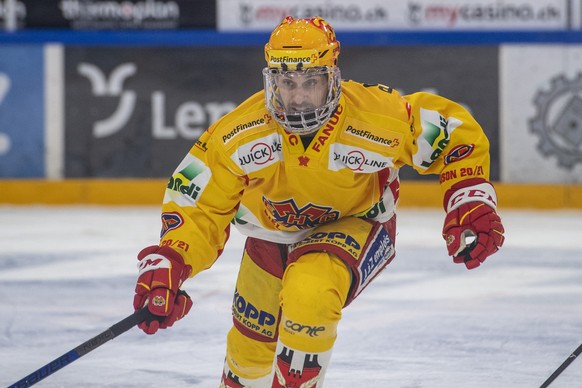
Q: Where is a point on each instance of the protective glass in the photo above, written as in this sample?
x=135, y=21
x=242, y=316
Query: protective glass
x=302, y=100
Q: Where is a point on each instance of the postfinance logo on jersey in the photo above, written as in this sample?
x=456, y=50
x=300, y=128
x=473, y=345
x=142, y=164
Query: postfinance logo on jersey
x=246, y=123
x=394, y=142
x=382, y=140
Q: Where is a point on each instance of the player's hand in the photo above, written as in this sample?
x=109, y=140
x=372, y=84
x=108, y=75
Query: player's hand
x=472, y=228
x=161, y=273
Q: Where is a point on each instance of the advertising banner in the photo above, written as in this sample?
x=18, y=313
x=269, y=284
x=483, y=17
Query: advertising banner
x=135, y=112
x=21, y=112
x=541, y=102
x=117, y=14
x=12, y=14
x=375, y=15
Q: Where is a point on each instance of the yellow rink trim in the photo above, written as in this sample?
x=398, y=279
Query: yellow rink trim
x=151, y=192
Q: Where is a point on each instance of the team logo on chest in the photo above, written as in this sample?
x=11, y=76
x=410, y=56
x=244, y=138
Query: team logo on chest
x=288, y=214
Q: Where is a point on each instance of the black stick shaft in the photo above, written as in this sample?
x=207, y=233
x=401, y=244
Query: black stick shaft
x=561, y=368
x=92, y=344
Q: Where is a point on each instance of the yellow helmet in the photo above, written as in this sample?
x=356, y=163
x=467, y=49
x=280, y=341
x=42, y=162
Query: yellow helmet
x=302, y=79
x=297, y=43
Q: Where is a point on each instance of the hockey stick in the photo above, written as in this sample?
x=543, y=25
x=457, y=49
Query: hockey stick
x=67, y=358
x=561, y=368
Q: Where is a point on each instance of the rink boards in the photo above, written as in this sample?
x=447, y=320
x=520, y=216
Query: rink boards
x=151, y=191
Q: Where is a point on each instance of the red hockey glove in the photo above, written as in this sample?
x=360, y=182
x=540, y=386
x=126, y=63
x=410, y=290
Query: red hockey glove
x=161, y=273
x=471, y=214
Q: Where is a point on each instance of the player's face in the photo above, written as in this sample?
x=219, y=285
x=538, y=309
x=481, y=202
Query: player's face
x=302, y=92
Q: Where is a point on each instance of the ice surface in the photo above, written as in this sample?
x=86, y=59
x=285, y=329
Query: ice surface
x=68, y=273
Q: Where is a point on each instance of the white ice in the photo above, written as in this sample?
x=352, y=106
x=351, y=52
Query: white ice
x=68, y=273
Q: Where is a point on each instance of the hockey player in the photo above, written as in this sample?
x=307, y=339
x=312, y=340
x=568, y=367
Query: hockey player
x=308, y=169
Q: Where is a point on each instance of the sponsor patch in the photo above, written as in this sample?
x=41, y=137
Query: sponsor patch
x=384, y=138
x=293, y=58
x=339, y=239
x=239, y=127
x=300, y=328
x=187, y=188
x=324, y=134
x=255, y=319
x=435, y=136
x=259, y=153
x=375, y=257
x=170, y=221
x=188, y=181
x=356, y=159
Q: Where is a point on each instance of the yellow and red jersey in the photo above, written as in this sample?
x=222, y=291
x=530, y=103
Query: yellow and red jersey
x=248, y=170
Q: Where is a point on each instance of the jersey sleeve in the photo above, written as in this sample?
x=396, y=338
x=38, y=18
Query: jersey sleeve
x=200, y=200
x=446, y=140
